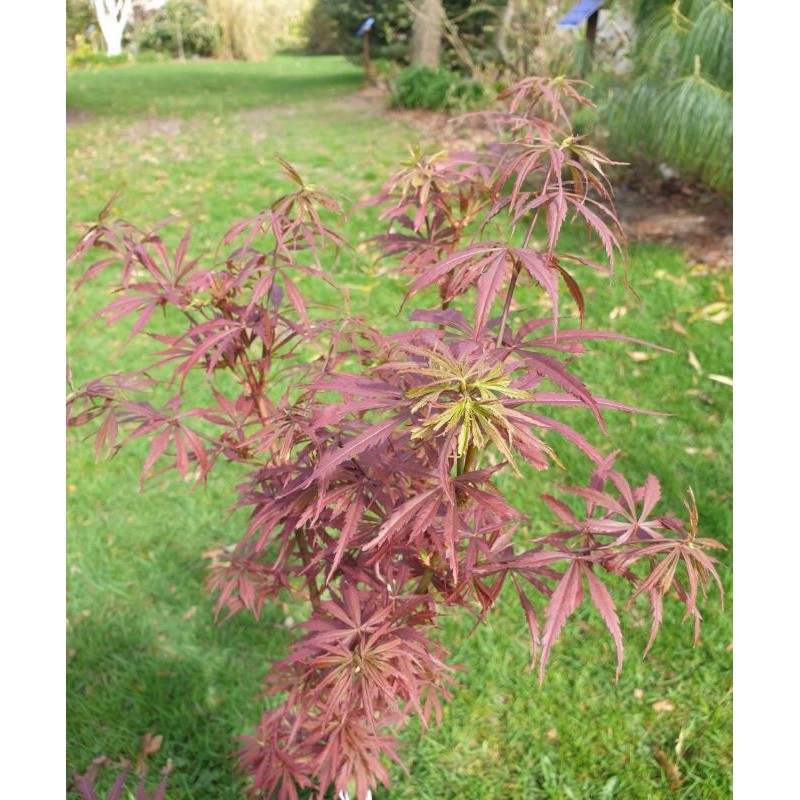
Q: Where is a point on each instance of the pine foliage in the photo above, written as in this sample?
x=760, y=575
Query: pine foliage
x=679, y=108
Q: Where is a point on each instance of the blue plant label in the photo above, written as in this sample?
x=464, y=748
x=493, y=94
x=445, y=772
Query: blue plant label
x=579, y=13
x=366, y=26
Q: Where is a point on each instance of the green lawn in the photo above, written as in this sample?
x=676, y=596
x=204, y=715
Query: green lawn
x=198, y=139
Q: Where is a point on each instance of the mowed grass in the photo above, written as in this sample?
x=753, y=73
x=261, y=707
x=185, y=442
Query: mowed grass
x=145, y=655
x=209, y=87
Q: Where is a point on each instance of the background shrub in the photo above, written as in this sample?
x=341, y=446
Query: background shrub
x=84, y=55
x=678, y=108
x=184, y=24
x=79, y=16
x=423, y=87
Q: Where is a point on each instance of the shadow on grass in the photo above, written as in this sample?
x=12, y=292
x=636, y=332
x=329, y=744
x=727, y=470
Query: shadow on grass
x=125, y=680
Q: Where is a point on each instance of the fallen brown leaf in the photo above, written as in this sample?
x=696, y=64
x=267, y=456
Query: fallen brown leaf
x=680, y=744
x=671, y=771
x=663, y=706
x=714, y=312
x=151, y=744
x=617, y=311
x=678, y=328
x=721, y=379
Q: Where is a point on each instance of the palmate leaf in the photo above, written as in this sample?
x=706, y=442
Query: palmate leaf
x=443, y=190
x=570, y=341
x=600, y=218
x=699, y=568
x=167, y=427
x=419, y=250
x=293, y=221
x=634, y=522
x=413, y=517
x=84, y=784
x=371, y=437
x=471, y=403
x=565, y=600
x=145, y=254
x=352, y=753
x=637, y=536
x=276, y=755
x=487, y=266
x=542, y=160
x=667, y=554
x=531, y=619
x=529, y=92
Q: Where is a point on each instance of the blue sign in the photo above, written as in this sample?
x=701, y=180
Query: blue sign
x=579, y=13
x=366, y=26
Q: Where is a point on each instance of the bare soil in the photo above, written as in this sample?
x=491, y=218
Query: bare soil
x=77, y=116
x=688, y=217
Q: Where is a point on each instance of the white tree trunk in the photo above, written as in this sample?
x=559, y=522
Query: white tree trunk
x=113, y=17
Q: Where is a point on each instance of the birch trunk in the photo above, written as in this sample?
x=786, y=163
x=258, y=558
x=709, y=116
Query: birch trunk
x=113, y=16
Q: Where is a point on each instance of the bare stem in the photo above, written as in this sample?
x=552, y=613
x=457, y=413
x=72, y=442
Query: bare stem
x=305, y=555
x=425, y=581
x=256, y=388
x=469, y=458
x=507, y=304
x=512, y=285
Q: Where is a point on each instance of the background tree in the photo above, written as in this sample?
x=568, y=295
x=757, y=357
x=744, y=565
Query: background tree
x=527, y=41
x=253, y=29
x=426, y=33
x=679, y=107
x=486, y=38
x=80, y=15
x=331, y=25
x=113, y=15
x=180, y=28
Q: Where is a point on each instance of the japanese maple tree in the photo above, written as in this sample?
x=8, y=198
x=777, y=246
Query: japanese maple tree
x=374, y=458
